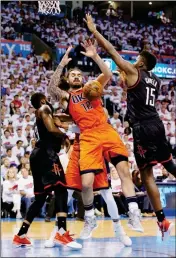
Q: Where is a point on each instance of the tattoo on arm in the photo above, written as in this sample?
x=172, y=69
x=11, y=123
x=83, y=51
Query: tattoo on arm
x=53, y=89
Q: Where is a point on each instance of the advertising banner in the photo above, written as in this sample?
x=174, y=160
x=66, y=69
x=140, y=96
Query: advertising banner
x=10, y=46
x=161, y=70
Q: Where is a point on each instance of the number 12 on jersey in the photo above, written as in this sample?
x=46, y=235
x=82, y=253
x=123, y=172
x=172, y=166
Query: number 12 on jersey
x=150, y=98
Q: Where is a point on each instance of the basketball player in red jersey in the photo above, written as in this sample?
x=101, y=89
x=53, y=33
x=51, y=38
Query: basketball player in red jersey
x=150, y=143
x=97, y=137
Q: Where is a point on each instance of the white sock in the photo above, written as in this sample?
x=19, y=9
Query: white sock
x=116, y=224
x=111, y=204
x=133, y=206
x=89, y=213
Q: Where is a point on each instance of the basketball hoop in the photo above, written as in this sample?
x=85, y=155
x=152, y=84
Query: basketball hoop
x=49, y=7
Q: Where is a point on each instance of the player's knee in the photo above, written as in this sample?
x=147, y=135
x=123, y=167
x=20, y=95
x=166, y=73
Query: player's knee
x=146, y=175
x=87, y=181
x=86, y=185
x=123, y=171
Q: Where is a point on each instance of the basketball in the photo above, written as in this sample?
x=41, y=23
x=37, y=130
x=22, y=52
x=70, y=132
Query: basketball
x=93, y=90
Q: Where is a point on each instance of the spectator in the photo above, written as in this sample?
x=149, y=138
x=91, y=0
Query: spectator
x=17, y=103
x=4, y=168
x=10, y=195
x=115, y=119
x=31, y=146
x=19, y=123
x=7, y=139
x=20, y=136
x=23, y=162
x=46, y=59
x=11, y=158
x=18, y=150
x=26, y=188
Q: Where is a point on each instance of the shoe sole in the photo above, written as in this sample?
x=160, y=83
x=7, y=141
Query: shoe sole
x=65, y=245
x=90, y=235
x=136, y=229
x=20, y=245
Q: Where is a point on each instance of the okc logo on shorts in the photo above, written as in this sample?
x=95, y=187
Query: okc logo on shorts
x=141, y=151
x=56, y=169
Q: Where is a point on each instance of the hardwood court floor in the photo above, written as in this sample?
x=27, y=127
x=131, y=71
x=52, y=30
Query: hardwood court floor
x=102, y=244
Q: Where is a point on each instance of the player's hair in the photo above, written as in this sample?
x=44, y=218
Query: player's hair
x=36, y=98
x=149, y=59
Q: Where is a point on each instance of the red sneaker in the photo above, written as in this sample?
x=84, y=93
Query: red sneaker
x=66, y=240
x=21, y=241
x=165, y=227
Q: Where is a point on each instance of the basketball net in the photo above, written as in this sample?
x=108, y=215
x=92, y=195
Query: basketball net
x=49, y=7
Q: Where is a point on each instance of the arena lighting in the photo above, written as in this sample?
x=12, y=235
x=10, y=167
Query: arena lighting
x=150, y=3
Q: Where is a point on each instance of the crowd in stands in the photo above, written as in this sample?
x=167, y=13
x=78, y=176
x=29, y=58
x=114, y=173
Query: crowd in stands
x=125, y=35
x=20, y=78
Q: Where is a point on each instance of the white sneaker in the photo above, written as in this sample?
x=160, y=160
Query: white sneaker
x=50, y=242
x=121, y=235
x=134, y=221
x=89, y=225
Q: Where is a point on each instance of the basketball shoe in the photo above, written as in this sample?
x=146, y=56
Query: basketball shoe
x=134, y=221
x=62, y=238
x=21, y=241
x=165, y=227
x=121, y=235
x=89, y=225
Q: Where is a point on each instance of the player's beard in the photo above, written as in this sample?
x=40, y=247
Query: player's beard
x=76, y=86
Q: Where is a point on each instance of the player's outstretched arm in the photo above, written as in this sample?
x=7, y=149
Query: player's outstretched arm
x=125, y=66
x=90, y=51
x=53, y=89
x=63, y=118
x=46, y=115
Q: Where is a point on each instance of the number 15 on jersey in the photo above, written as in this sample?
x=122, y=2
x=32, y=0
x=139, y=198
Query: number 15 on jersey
x=150, y=97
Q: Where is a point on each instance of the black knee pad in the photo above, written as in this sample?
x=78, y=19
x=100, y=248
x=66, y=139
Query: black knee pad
x=61, y=196
x=35, y=207
x=170, y=166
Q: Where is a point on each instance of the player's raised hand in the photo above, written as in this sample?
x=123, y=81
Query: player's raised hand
x=90, y=48
x=90, y=24
x=66, y=59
